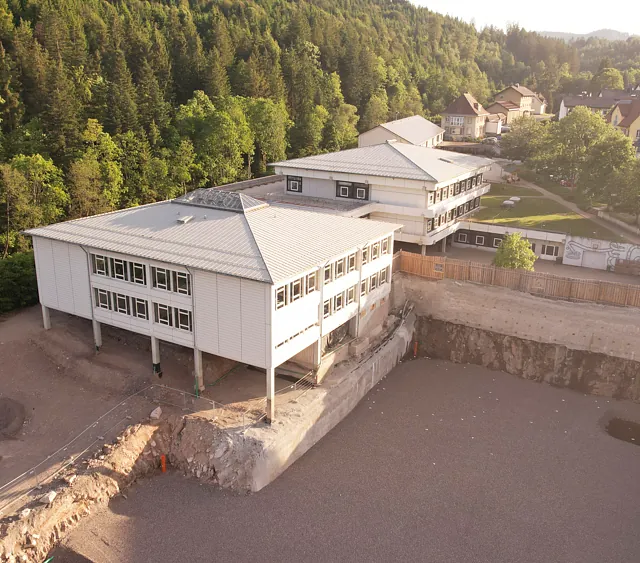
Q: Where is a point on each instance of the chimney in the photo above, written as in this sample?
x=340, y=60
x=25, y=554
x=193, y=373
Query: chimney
x=517, y=84
x=475, y=105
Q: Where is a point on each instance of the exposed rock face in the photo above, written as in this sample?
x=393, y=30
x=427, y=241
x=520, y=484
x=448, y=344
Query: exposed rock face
x=584, y=371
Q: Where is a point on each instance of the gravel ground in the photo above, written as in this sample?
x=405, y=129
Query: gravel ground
x=440, y=462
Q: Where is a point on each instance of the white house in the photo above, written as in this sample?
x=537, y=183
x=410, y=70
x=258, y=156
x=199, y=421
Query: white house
x=426, y=190
x=414, y=130
x=221, y=273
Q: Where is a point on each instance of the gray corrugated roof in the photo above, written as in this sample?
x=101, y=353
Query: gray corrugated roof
x=220, y=199
x=266, y=244
x=414, y=129
x=392, y=160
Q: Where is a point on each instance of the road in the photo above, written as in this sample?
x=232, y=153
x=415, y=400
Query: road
x=440, y=462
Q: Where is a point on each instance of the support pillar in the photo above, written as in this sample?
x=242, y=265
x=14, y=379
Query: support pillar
x=424, y=250
x=317, y=353
x=444, y=245
x=46, y=318
x=271, y=398
x=155, y=356
x=198, y=369
x=97, y=334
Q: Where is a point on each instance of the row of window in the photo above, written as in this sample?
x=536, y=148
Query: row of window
x=134, y=272
x=295, y=290
x=479, y=240
x=452, y=214
x=296, y=335
x=453, y=190
x=349, y=190
x=139, y=308
x=348, y=296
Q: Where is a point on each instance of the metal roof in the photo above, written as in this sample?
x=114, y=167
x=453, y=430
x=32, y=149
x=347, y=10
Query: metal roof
x=220, y=199
x=263, y=243
x=392, y=160
x=414, y=129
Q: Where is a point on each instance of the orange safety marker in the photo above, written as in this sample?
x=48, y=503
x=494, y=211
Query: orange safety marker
x=415, y=349
x=163, y=463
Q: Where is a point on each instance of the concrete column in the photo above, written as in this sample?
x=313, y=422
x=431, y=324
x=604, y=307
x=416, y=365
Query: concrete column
x=424, y=250
x=317, y=353
x=444, y=245
x=97, y=334
x=271, y=398
x=46, y=318
x=155, y=356
x=197, y=367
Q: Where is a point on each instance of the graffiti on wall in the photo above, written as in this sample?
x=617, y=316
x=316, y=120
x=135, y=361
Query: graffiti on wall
x=600, y=254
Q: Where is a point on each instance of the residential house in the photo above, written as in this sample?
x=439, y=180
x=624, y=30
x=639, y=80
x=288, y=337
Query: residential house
x=426, y=190
x=597, y=104
x=415, y=130
x=521, y=96
x=494, y=124
x=625, y=116
x=506, y=108
x=539, y=105
x=464, y=119
x=222, y=273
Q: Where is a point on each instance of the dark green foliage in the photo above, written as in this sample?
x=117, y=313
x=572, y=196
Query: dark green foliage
x=18, y=287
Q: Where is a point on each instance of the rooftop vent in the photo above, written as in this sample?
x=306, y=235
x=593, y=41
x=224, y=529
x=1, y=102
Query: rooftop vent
x=184, y=220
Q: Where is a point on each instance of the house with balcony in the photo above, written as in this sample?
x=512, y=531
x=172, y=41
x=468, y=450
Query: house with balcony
x=221, y=273
x=521, y=96
x=464, y=118
x=426, y=190
x=509, y=110
x=414, y=130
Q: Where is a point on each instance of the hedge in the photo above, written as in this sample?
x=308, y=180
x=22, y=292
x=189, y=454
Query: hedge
x=18, y=285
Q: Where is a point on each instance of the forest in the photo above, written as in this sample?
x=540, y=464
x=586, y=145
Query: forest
x=112, y=103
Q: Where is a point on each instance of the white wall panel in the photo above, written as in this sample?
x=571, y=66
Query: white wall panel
x=295, y=317
x=339, y=318
x=230, y=320
x=45, y=271
x=64, y=286
x=206, y=311
x=79, y=270
x=254, y=322
x=291, y=348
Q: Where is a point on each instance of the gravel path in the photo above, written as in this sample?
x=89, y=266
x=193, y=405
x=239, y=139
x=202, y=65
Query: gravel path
x=440, y=462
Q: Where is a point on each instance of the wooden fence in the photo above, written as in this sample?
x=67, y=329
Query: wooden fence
x=545, y=285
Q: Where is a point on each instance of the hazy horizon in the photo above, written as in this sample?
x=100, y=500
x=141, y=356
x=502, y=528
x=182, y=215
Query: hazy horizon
x=548, y=15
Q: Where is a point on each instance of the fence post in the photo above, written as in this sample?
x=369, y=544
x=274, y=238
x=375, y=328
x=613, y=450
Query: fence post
x=493, y=274
x=468, y=270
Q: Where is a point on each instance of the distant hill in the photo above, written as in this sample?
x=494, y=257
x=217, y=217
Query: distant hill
x=610, y=34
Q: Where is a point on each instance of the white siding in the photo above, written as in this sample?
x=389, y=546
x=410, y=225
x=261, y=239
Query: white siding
x=376, y=136
x=254, y=313
x=398, y=196
x=318, y=187
x=45, y=271
x=229, y=303
x=206, y=314
x=80, y=281
x=295, y=317
x=62, y=272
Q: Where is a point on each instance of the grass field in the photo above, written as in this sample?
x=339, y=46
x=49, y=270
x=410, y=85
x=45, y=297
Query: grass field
x=540, y=213
x=509, y=190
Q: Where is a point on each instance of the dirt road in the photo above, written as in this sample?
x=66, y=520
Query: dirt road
x=441, y=462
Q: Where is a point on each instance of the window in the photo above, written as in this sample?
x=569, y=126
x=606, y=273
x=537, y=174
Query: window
x=454, y=212
x=430, y=198
x=497, y=242
x=473, y=182
x=311, y=282
x=365, y=255
x=533, y=246
x=296, y=290
x=138, y=273
x=361, y=193
x=99, y=264
x=455, y=120
x=351, y=295
x=436, y=222
x=476, y=202
x=294, y=184
x=160, y=278
x=382, y=276
x=457, y=188
x=449, y=215
x=121, y=303
x=327, y=309
x=183, y=319
x=438, y=196
x=363, y=288
x=443, y=193
x=181, y=283
x=375, y=251
x=343, y=190
x=339, y=302
x=339, y=268
x=462, y=237
x=549, y=250
x=102, y=298
x=451, y=188
x=118, y=269
x=162, y=314
x=429, y=225
x=327, y=274
x=385, y=246
x=352, y=190
x=480, y=240
x=373, y=282
x=140, y=308
x=460, y=210
x=281, y=297
x=351, y=263
x=466, y=207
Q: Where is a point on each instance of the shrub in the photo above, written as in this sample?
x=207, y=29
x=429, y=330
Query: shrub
x=18, y=285
x=515, y=252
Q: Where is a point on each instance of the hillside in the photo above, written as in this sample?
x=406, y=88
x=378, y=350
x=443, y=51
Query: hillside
x=111, y=104
x=608, y=34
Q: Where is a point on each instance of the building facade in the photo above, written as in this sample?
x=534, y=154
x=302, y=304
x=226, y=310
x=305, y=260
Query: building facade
x=464, y=119
x=415, y=130
x=220, y=273
x=625, y=116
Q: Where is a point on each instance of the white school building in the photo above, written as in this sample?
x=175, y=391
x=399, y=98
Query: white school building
x=219, y=272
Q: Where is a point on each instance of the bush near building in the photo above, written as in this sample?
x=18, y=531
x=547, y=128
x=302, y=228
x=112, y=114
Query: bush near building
x=515, y=252
x=18, y=286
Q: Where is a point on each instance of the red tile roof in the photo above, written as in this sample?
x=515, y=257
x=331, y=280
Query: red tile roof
x=465, y=104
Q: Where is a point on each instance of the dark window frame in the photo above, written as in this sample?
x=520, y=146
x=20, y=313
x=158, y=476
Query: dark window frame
x=297, y=180
x=352, y=190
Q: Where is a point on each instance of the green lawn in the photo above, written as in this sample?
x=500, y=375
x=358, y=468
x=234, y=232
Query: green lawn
x=511, y=190
x=540, y=213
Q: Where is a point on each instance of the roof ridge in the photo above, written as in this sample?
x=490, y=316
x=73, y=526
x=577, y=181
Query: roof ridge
x=393, y=145
x=253, y=236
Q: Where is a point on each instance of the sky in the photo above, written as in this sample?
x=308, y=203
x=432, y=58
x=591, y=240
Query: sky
x=572, y=16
